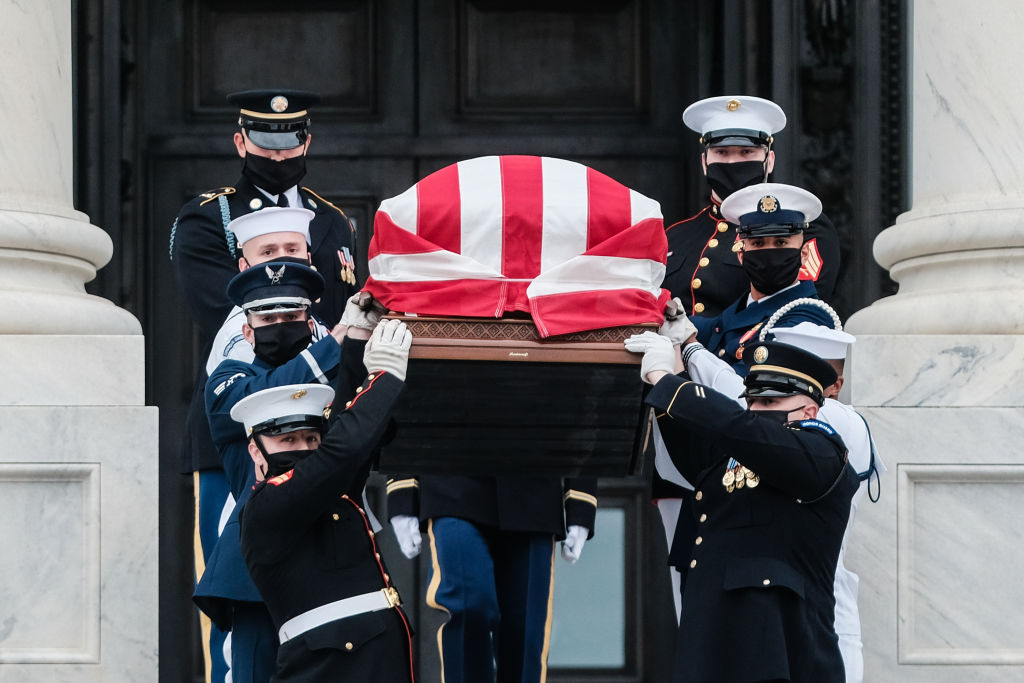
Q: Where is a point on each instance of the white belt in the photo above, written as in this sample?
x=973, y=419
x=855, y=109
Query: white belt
x=339, y=609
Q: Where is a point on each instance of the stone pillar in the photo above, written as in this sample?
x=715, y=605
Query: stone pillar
x=938, y=372
x=78, y=446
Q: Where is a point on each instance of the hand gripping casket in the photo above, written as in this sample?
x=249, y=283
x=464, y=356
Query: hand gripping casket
x=519, y=277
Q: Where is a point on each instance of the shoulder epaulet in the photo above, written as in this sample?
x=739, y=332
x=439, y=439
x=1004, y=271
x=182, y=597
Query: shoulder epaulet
x=327, y=203
x=210, y=195
x=281, y=478
x=817, y=425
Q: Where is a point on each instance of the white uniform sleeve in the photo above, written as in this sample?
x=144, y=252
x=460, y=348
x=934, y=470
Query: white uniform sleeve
x=705, y=368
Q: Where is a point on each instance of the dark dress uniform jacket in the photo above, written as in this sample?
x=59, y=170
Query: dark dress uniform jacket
x=758, y=603
x=307, y=542
x=703, y=271
x=204, y=258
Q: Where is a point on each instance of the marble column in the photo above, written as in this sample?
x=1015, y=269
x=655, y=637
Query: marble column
x=78, y=446
x=938, y=368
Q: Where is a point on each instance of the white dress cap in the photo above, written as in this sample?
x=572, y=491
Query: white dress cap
x=735, y=112
x=822, y=341
x=277, y=402
x=271, y=219
x=779, y=201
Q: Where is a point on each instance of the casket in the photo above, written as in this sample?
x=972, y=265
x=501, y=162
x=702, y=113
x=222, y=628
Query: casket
x=492, y=397
x=523, y=276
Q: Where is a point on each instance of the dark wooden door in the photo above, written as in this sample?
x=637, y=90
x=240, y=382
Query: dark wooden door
x=409, y=87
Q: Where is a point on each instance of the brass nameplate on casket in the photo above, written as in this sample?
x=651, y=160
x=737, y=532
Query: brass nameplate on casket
x=492, y=397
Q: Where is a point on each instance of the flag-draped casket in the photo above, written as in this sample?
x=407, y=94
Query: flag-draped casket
x=519, y=276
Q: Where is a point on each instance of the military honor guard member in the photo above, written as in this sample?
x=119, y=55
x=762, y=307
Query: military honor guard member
x=305, y=538
x=736, y=132
x=772, y=501
x=275, y=298
x=770, y=221
x=273, y=139
x=492, y=545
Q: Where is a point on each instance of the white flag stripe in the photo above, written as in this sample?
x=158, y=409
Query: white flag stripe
x=428, y=267
x=565, y=211
x=642, y=207
x=480, y=194
x=584, y=273
x=402, y=209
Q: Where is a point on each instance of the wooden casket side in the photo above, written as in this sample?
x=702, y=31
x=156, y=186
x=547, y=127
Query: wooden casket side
x=490, y=397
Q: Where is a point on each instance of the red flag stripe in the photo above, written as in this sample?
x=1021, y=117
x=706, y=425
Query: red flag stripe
x=522, y=200
x=608, y=207
x=438, y=216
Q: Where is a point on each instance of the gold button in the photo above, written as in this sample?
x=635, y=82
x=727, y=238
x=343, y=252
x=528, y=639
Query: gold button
x=700, y=494
x=767, y=582
x=722, y=226
x=358, y=389
x=698, y=308
x=703, y=517
x=335, y=516
x=377, y=555
x=349, y=646
x=704, y=262
x=721, y=353
x=696, y=283
x=693, y=563
x=371, y=377
x=344, y=496
x=713, y=243
x=387, y=578
x=371, y=533
x=348, y=404
x=699, y=540
x=737, y=246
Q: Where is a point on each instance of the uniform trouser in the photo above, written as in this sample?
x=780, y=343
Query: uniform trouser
x=211, y=491
x=253, y=644
x=495, y=588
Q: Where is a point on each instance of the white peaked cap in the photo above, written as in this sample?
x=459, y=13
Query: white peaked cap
x=822, y=341
x=278, y=402
x=739, y=112
x=271, y=219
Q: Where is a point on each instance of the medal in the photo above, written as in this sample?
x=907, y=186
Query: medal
x=728, y=478
x=753, y=481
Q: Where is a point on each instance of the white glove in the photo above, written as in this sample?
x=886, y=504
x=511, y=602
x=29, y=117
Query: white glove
x=362, y=311
x=388, y=348
x=677, y=326
x=572, y=546
x=407, y=531
x=659, y=353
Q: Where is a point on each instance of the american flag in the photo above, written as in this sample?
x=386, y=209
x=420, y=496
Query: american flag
x=554, y=238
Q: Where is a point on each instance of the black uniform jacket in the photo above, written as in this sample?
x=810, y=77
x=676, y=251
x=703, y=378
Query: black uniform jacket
x=204, y=258
x=758, y=603
x=703, y=271
x=536, y=504
x=307, y=542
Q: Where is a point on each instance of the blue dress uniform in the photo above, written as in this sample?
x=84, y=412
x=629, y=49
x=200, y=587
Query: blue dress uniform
x=225, y=592
x=771, y=506
x=492, y=542
x=204, y=257
x=308, y=544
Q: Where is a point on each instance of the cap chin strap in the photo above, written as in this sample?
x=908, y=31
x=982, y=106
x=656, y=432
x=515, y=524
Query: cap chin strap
x=257, y=439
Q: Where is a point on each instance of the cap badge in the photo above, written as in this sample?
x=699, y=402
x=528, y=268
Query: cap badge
x=760, y=354
x=275, y=277
x=279, y=103
x=298, y=394
x=327, y=413
x=768, y=204
x=732, y=105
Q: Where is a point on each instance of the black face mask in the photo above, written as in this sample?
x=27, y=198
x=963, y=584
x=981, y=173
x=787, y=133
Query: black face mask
x=274, y=176
x=725, y=179
x=278, y=343
x=780, y=416
x=770, y=270
x=281, y=462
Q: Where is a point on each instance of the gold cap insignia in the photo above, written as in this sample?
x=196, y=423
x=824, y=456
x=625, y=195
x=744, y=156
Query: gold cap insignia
x=768, y=204
x=298, y=394
x=279, y=103
x=327, y=413
x=732, y=105
x=760, y=354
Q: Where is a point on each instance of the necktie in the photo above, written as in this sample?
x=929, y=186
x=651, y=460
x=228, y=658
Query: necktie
x=282, y=200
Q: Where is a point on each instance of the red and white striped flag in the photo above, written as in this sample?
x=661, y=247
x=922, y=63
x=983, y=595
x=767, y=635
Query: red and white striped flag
x=569, y=245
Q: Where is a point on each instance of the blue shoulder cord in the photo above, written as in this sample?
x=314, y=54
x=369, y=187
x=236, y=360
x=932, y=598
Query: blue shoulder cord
x=225, y=216
x=872, y=469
